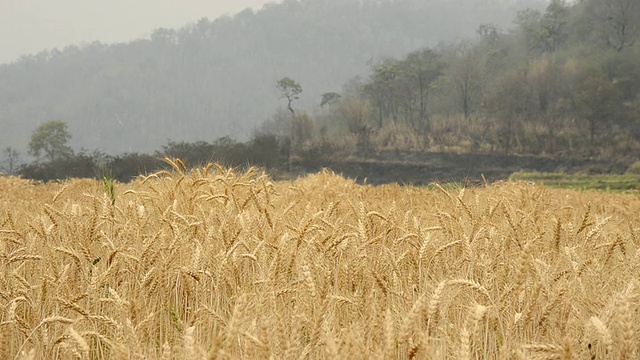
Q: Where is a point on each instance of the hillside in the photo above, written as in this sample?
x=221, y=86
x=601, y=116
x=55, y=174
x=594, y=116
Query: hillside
x=216, y=78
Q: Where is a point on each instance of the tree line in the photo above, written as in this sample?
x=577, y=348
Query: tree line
x=55, y=159
x=564, y=82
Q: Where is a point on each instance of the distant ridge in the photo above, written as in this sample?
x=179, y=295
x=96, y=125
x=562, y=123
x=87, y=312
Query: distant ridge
x=217, y=78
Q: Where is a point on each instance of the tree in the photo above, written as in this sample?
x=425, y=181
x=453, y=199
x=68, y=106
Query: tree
x=510, y=106
x=488, y=32
x=594, y=97
x=545, y=31
x=618, y=21
x=11, y=161
x=417, y=72
x=329, y=99
x=382, y=90
x=289, y=90
x=467, y=78
x=401, y=88
x=302, y=128
x=49, y=140
x=551, y=84
x=632, y=109
x=356, y=114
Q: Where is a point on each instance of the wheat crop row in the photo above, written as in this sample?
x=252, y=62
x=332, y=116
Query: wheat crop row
x=212, y=263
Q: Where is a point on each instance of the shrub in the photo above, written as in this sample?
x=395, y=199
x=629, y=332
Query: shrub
x=634, y=168
x=74, y=166
x=127, y=166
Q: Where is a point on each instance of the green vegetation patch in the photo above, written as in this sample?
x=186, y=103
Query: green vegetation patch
x=609, y=182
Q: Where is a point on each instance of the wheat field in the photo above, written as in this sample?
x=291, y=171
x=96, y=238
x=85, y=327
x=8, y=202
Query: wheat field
x=212, y=263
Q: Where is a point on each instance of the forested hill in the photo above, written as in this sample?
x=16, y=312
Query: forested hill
x=216, y=78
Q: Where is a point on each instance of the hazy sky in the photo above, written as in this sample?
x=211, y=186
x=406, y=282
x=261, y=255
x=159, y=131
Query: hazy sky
x=29, y=26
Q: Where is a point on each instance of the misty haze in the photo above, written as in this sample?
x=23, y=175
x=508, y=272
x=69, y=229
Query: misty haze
x=413, y=76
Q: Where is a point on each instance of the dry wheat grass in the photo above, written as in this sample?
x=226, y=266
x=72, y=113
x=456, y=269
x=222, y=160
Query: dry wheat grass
x=215, y=264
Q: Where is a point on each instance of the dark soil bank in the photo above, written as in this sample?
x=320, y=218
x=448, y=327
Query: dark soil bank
x=423, y=168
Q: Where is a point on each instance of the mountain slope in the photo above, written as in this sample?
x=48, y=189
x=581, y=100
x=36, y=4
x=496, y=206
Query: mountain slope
x=217, y=78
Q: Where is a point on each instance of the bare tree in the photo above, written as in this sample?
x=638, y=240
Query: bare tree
x=618, y=21
x=11, y=160
x=467, y=78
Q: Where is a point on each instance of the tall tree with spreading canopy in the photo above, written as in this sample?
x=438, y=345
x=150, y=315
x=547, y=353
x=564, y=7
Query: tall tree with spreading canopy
x=49, y=141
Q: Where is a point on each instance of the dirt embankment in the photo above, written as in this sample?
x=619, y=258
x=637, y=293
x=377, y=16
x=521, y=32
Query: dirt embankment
x=423, y=168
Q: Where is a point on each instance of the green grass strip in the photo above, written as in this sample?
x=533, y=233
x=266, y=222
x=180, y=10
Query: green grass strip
x=608, y=182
